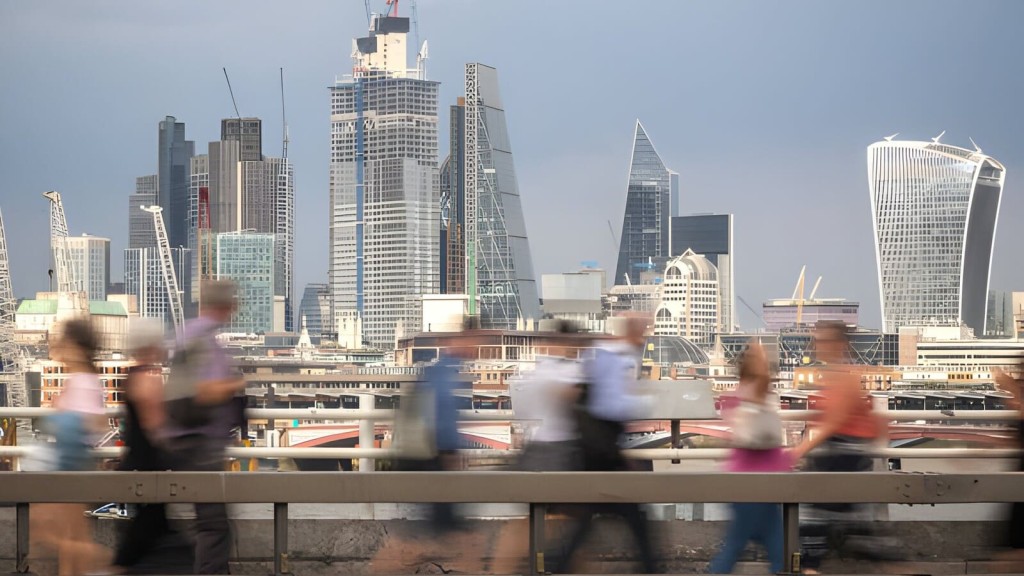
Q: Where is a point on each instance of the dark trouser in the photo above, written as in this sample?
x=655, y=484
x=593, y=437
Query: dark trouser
x=143, y=534
x=761, y=523
x=213, y=532
x=442, y=514
x=635, y=519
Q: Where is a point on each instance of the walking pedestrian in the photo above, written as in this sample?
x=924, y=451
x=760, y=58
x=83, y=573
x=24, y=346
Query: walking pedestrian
x=757, y=441
x=199, y=410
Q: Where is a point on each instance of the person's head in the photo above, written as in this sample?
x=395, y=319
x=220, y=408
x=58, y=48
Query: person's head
x=146, y=341
x=219, y=300
x=755, y=372
x=635, y=330
x=77, y=345
x=831, y=342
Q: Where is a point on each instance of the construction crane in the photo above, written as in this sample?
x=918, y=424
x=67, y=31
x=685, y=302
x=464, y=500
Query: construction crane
x=66, y=280
x=163, y=246
x=11, y=368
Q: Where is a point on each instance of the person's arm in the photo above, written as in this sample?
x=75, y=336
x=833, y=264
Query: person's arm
x=218, y=391
x=845, y=394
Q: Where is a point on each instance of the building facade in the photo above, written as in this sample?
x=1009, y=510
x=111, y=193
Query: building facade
x=384, y=190
x=140, y=223
x=644, y=241
x=248, y=132
x=247, y=258
x=143, y=279
x=175, y=154
x=934, y=209
x=500, y=267
x=689, y=300
x=575, y=296
x=315, y=308
x=453, y=205
x=90, y=259
x=787, y=314
x=710, y=235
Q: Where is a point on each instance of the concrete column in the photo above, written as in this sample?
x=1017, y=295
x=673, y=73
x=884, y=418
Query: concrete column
x=366, y=402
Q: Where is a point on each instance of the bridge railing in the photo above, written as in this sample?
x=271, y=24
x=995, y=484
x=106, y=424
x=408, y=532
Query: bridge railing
x=538, y=490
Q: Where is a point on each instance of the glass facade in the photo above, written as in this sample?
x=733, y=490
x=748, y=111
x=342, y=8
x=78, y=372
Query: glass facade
x=143, y=278
x=710, y=235
x=140, y=224
x=384, y=191
x=792, y=348
x=934, y=210
x=645, y=224
x=90, y=259
x=501, y=267
x=315, y=308
x=173, y=175
x=248, y=259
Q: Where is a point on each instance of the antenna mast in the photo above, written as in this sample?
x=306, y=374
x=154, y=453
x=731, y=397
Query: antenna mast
x=284, y=122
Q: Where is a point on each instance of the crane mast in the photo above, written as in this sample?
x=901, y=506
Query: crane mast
x=163, y=246
x=66, y=280
x=11, y=369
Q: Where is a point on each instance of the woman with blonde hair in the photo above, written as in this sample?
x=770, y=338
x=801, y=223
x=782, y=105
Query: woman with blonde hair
x=757, y=441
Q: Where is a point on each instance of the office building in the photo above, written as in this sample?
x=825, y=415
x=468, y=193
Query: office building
x=689, y=300
x=781, y=314
x=247, y=258
x=248, y=132
x=453, y=206
x=143, y=279
x=315, y=308
x=575, y=296
x=90, y=259
x=174, y=158
x=710, y=235
x=1001, y=321
x=384, y=190
x=140, y=223
x=644, y=240
x=934, y=210
x=500, y=268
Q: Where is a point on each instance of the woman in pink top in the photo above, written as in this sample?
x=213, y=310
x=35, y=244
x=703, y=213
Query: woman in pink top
x=757, y=447
x=79, y=416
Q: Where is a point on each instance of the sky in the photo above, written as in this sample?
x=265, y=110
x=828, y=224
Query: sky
x=765, y=109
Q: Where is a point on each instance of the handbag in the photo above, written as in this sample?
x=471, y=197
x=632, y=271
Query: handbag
x=756, y=426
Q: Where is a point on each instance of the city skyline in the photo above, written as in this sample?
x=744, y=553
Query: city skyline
x=733, y=122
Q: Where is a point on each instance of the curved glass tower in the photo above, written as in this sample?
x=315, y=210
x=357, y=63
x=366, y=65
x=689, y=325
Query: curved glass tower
x=934, y=209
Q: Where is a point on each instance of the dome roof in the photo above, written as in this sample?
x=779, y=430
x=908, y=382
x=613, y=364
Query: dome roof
x=693, y=265
x=666, y=350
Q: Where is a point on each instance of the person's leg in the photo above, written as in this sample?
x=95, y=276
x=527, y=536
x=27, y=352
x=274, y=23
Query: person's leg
x=736, y=537
x=213, y=539
x=578, y=535
x=770, y=534
x=637, y=521
x=141, y=534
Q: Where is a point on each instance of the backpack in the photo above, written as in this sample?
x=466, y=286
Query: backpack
x=183, y=411
x=599, y=438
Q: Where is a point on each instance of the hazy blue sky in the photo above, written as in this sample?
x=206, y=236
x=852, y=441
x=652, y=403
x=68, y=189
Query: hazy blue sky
x=764, y=108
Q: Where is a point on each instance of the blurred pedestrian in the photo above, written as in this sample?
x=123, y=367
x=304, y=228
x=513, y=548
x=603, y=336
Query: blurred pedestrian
x=839, y=442
x=200, y=415
x=1015, y=534
x=78, y=421
x=606, y=403
x=757, y=441
x=143, y=423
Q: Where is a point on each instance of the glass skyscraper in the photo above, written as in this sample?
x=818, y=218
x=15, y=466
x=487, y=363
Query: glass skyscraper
x=499, y=271
x=175, y=154
x=248, y=259
x=384, y=191
x=934, y=209
x=651, y=199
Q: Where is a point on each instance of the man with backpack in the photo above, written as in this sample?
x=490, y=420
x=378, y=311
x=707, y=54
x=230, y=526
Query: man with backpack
x=605, y=404
x=199, y=396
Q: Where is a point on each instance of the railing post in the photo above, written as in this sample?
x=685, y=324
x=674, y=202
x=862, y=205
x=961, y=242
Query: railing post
x=281, y=538
x=366, y=437
x=791, y=537
x=675, y=438
x=537, y=538
x=21, y=537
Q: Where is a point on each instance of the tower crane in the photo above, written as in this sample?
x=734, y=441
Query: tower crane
x=11, y=367
x=163, y=246
x=66, y=280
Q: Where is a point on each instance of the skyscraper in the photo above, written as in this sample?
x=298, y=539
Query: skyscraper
x=315, y=308
x=650, y=203
x=143, y=278
x=453, y=205
x=934, y=210
x=384, y=208
x=710, y=235
x=689, y=300
x=140, y=224
x=90, y=258
x=175, y=154
x=248, y=259
x=499, y=271
x=248, y=132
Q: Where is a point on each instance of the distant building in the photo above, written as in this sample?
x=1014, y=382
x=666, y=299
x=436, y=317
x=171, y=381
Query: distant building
x=710, y=235
x=247, y=258
x=315, y=308
x=143, y=279
x=90, y=259
x=784, y=314
x=643, y=298
x=575, y=296
x=109, y=320
x=384, y=190
x=934, y=210
x=175, y=154
x=453, y=204
x=649, y=207
x=689, y=301
x=1005, y=312
x=791, y=348
x=248, y=132
x=955, y=347
x=140, y=223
